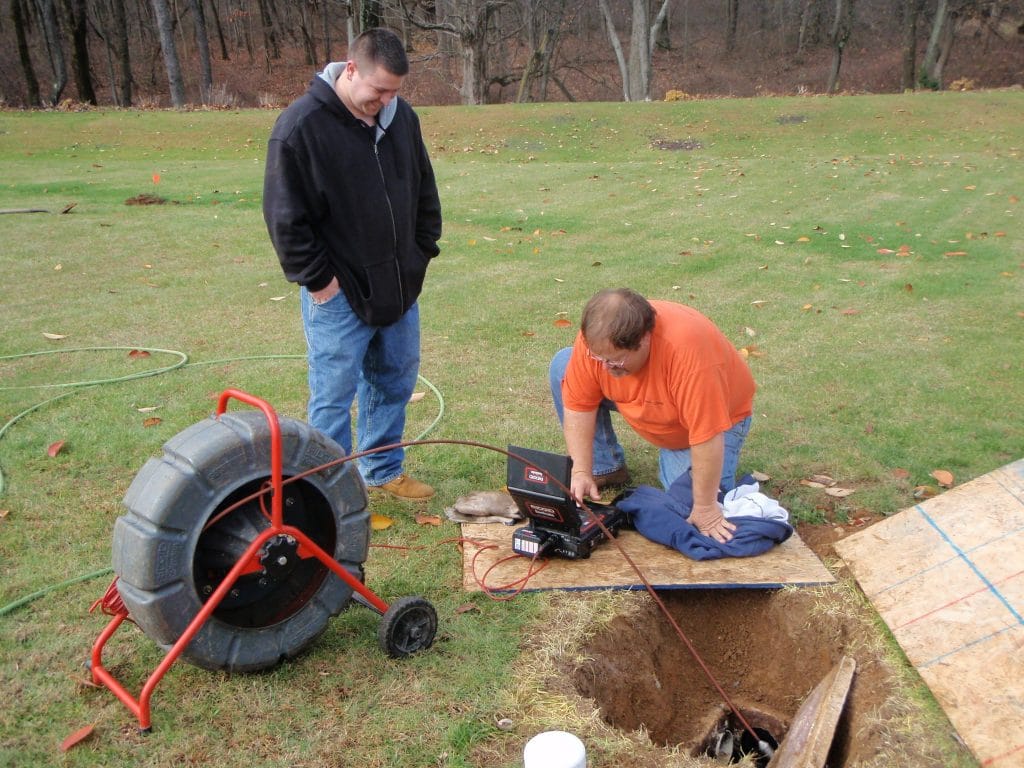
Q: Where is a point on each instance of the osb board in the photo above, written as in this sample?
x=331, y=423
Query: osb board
x=489, y=557
x=947, y=576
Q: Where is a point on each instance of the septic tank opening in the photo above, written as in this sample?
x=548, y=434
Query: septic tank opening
x=768, y=649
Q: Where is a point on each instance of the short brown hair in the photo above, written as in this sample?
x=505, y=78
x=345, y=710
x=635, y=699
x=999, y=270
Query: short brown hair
x=379, y=47
x=620, y=316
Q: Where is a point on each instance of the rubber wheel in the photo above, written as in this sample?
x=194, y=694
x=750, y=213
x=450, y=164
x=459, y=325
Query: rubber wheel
x=172, y=547
x=407, y=627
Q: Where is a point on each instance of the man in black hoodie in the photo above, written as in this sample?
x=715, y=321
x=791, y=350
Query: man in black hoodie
x=352, y=208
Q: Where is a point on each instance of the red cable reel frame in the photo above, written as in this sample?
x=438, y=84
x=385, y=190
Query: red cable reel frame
x=140, y=706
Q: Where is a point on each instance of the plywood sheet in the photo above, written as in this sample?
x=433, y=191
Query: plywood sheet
x=488, y=560
x=947, y=576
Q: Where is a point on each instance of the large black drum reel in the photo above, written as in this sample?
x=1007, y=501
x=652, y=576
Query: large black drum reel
x=184, y=530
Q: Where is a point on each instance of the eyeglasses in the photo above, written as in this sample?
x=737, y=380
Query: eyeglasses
x=610, y=364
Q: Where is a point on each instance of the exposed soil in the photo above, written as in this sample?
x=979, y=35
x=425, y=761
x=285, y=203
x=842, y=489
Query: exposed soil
x=768, y=649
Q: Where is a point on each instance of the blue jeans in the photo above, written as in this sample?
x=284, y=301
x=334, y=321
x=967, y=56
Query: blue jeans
x=609, y=455
x=377, y=364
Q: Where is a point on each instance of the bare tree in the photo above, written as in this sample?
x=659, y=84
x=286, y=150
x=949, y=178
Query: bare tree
x=542, y=25
x=908, y=70
x=77, y=22
x=54, y=48
x=842, y=27
x=636, y=72
x=203, y=46
x=165, y=28
x=18, y=14
x=940, y=41
x=732, y=12
x=470, y=24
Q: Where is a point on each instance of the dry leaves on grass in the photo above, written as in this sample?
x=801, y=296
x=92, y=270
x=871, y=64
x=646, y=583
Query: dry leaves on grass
x=827, y=484
x=54, y=448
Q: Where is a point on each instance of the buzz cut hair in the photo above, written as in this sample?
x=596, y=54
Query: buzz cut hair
x=380, y=47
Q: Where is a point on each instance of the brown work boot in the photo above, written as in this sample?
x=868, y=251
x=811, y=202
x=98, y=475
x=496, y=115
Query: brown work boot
x=614, y=478
x=405, y=487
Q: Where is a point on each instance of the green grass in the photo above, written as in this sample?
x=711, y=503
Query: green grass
x=817, y=232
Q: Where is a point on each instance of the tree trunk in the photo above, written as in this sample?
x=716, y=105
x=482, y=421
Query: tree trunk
x=613, y=37
x=325, y=17
x=908, y=72
x=18, y=15
x=54, y=49
x=122, y=51
x=220, y=31
x=842, y=25
x=636, y=72
x=203, y=46
x=732, y=8
x=165, y=28
x=932, y=52
x=75, y=12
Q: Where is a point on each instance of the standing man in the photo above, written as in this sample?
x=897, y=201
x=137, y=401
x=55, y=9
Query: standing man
x=674, y=378
x=352, y=209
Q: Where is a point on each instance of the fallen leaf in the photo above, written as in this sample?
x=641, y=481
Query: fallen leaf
x=152, y=421
x=54, y=448
x=561, y=322
x=428, y=519
x=820, y=481
x=54, y=336
x=147, y=408
x=839, y=493
x=803, y=239
x=908, y=288
x=467, y=608
x=76, y=738
x=278, y=298
x=807, y=307
x=850, y=312
x=925, y=491
x=4, y=513
x=761, y=477
x=943, y=477
x=900, y=473
x=138, y=353
x=559, y=280
x=529, y=333
x=955, y=253
x=380, y=522
x=758, y=303
x=886, y=251
x=596, y=264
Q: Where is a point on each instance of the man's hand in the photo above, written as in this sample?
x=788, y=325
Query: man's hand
x=582, y=485
x=709, y=520
x=326, y=293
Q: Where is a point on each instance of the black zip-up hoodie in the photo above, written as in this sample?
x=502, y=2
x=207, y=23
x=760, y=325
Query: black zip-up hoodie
x=360, y=203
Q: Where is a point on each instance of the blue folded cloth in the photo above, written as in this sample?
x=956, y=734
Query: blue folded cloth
x=661, y=516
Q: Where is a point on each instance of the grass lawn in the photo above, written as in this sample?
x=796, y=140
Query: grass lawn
x=867, y=253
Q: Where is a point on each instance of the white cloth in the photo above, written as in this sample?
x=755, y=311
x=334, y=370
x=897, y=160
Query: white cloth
x=748, y=501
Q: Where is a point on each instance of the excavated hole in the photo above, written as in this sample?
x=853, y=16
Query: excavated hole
x=768, y=649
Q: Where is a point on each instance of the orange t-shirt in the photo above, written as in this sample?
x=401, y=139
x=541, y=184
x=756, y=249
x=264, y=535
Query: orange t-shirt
x=693, y=386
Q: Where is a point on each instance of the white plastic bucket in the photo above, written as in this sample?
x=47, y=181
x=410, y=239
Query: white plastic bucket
x=554, y=749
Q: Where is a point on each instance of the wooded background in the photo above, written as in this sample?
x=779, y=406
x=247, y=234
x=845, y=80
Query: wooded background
x=244, y=53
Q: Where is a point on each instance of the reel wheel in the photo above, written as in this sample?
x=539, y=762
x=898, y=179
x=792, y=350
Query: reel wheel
x=407, y=627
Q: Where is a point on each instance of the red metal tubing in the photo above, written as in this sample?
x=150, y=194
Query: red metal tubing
x=276, y=462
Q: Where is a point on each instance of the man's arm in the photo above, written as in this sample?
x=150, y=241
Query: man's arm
x=707, y=459
x=579, y=428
